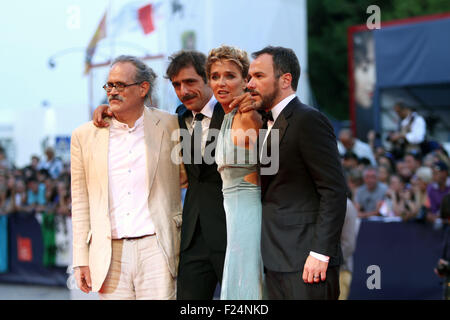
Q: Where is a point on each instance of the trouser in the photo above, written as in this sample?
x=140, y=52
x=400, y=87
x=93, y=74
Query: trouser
x=138, y=271
x=200, y=269
x=290, y=286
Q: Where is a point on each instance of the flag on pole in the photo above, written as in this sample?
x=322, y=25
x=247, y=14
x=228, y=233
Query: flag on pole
x=133, y=17
x=100, y=33
x=146, y=19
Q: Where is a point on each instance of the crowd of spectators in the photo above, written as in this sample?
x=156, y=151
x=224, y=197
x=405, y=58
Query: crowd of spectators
x=410, y=185
x=41, y=186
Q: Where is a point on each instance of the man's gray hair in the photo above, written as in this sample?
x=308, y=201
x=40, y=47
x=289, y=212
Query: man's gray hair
x=143, y=72
x=370, y=169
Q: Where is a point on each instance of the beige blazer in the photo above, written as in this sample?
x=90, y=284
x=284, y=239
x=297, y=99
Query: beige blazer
x=90, y=213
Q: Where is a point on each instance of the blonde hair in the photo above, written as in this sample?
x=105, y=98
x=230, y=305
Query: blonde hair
x=228, y=53
x=425, y=174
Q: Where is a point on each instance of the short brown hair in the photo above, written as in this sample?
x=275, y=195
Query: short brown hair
x=186, y=58
x=228, y=53
x=284, y=61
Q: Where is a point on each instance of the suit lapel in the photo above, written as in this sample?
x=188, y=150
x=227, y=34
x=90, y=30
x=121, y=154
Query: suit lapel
x=281, y=124
x=183, y=112
x=153, y=139
x=216, y=123
x=100, y=157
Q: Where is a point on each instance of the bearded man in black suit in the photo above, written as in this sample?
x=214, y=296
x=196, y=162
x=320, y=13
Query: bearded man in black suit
x=304, y=201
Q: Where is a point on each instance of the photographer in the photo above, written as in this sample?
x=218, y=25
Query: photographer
x=443, y=267
x=411, y=131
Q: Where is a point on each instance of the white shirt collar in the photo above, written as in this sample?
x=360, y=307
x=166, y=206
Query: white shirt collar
x=120, y=125
x=281, y=105
x=208, y=109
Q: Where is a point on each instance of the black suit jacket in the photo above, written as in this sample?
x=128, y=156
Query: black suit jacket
x=203, y=202
x=304, y=203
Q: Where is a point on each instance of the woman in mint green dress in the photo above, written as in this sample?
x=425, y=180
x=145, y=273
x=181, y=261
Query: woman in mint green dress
x=236, y=157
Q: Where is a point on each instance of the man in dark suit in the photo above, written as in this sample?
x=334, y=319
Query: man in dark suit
x=203, y=231
x=304, y=202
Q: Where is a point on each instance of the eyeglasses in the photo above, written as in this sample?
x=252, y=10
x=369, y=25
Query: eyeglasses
x=120, y=86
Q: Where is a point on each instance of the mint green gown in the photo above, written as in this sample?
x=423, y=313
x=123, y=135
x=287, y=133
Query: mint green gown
x=243, y=268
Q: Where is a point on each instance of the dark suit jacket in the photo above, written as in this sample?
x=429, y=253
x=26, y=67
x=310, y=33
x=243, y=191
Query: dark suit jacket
x=304, y=204
x=203, y=202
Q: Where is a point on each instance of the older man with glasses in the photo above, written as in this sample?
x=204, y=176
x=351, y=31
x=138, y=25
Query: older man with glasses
x=126, y=193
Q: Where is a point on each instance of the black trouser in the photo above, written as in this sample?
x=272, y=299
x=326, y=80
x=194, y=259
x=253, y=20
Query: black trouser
x=200, y=269
x=290, y=286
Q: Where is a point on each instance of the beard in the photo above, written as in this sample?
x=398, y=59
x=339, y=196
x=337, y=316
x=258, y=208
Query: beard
x=268, y=100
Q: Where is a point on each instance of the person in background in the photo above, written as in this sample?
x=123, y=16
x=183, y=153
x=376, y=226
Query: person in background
x=437, y=190
x=350, y=161
x=4, y=162
x=16, y=201
x=35, y=196
x=354, y=180
x=384, y=174
x=52, y=164
x=413, y=161
x=63, y=200
x=3, y=191
x=403, y=171
x=399, y=201
x=348, y=243
x=33, y=168
x=347, y=142
x=387, y=161
x=368, y=197
x=429, y=160
x=419, y=185
x=443, y=266
x=411, y=131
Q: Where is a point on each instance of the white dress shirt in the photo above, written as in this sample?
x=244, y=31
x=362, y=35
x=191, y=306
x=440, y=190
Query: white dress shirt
x=207, y=111
x=275, y=113
x=418, y=128
x=361, y=149
x=128, y=181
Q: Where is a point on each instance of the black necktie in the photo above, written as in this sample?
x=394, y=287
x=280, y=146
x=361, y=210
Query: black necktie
x=266, y=116
x=196, y=139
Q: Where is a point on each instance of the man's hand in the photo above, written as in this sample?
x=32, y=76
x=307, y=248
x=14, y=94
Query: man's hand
x=314, y=270
x=102, y=111
x=245, y=102
x=396, y=136
x=441, y=262
x=83, y=277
